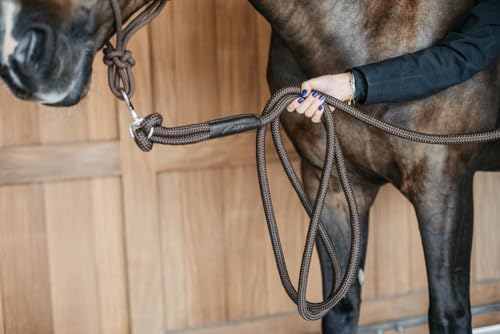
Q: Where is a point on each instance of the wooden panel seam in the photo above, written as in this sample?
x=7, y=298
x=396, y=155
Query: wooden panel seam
x=32, y=164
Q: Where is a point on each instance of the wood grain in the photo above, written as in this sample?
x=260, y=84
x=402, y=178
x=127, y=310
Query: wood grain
x=19, y=120
x=246, y=242
x=98, y=237
x=142, y=231
x=73, y=268
x=107, y=224
x=203, y=268
x=287, y=323
x=25, y=281
x=32, y=164
x=487, y=228
x=390, y=230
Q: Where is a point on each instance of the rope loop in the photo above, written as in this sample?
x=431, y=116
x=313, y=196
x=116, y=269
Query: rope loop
x=118, y=58
x=120, y=76
x=142, y=134
x=121, y=59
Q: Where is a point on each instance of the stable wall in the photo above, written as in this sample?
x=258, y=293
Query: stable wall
x=97, y=237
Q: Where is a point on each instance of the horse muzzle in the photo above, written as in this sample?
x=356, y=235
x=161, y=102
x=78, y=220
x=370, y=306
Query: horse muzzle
x=42, y=59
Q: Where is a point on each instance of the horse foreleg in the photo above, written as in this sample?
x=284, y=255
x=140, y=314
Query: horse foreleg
x=335, y=217
x=444, y=208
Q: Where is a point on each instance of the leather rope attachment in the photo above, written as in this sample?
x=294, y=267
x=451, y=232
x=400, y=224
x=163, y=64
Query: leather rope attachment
x=149, y=131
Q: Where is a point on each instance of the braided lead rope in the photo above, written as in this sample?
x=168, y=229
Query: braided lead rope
x=148, y=131
x=118, y=58
x=151, y=131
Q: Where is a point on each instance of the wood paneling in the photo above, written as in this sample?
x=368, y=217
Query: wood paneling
x=72, y=264
x=218, y=262
x=487, y=227
x=142, y=230
x=108, y=233
x=102, y=238
x=246, y=243
x=25, y=281
x=28, y=164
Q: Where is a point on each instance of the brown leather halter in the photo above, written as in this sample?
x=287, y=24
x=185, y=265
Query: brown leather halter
x=149, y=130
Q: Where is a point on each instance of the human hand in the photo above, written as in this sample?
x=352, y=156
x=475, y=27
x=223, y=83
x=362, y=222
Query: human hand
x=311, y=101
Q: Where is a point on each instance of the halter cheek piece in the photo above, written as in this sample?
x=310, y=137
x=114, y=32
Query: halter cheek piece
x=149, y=130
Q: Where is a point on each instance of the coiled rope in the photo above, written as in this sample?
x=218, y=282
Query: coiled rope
x=148, y=131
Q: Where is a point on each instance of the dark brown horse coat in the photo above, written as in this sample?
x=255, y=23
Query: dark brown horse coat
x=312, y=38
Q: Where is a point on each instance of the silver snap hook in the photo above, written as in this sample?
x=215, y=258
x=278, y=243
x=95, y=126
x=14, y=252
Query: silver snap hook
x=136, y=120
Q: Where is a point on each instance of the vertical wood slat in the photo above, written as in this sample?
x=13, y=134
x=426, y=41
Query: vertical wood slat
x=390, y=231
x=25, y=281
x=486, y=227
x=107, y=207
x=195, y=76
x=245, y=245
x=107, y=224
x=85, y=241
x=73, y=268
x=18, y=121
x=142, y=231
x=2, y=323
x=198, y=235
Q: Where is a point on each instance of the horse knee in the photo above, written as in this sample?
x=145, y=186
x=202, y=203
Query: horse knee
x=343, y=319
x=449, y=316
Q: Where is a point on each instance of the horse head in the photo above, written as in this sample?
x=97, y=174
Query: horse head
x=47, y=46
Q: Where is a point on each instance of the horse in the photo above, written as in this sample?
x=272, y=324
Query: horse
x=46, y=52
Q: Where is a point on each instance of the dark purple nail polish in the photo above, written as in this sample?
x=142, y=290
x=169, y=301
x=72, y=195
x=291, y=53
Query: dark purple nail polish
x=320, y=108
x=315, y=94
x=304, y=93
x=301, y=100
x=322, y=98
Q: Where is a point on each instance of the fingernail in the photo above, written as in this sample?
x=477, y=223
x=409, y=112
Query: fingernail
x=301, y=100
x=322, y=98
x=320, y=108
x=315, y=94
x=304, y=93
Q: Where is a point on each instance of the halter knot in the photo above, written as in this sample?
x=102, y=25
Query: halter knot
x=142, y=134
x=122, y=59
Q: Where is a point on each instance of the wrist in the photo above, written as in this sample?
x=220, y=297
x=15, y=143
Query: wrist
x=352, y=83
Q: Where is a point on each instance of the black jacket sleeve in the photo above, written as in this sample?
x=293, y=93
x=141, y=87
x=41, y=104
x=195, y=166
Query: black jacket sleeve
x=456, y=58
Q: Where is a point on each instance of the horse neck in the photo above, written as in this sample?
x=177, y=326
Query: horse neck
x=340, y=33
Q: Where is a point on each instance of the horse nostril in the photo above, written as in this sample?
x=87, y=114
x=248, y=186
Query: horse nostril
x=35, y=49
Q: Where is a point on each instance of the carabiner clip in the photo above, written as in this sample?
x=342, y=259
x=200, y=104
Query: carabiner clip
x=136, y=120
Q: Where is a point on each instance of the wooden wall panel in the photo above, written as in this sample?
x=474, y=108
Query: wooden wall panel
x=102, y=238
x=142, y=230
x=94, y=118
x=72, y=264
x=390, y=230
x=246, y=245
x=486, y=229
x=18, y=121
x=85, y=238
x=109, y=236
x=218, y=260
x=25, y=281
x=201, y=250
